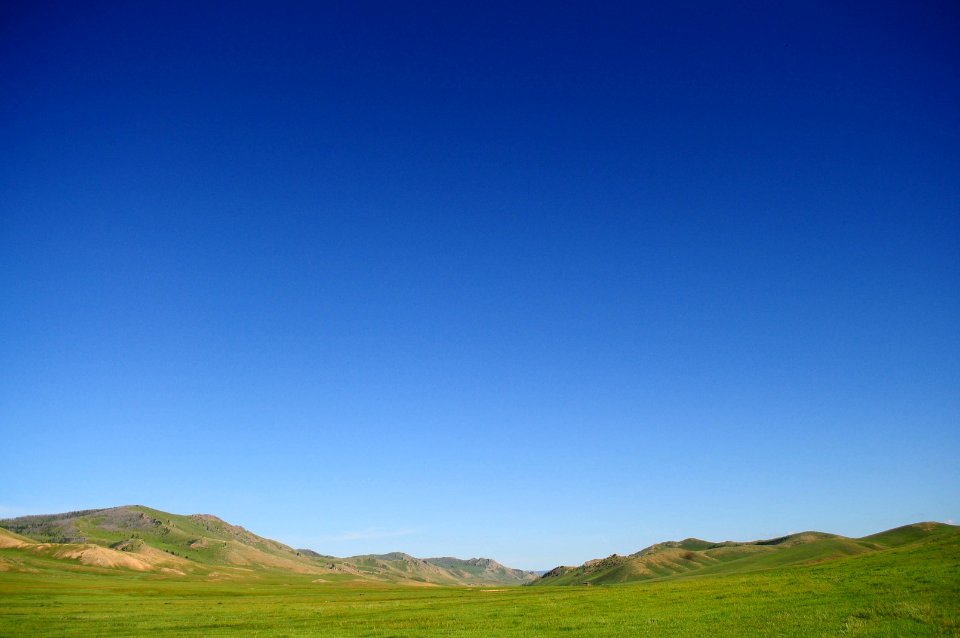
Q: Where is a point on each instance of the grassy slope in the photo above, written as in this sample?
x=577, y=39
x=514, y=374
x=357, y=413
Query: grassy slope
x=909, y=589
x=199, y=545
x=206, y=540
x=694, y=557
x=909, y=534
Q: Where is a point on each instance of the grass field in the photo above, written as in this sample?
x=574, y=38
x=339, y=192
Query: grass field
x=905, y=591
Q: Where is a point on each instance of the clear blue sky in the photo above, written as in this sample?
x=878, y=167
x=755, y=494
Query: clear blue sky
x=535, y=283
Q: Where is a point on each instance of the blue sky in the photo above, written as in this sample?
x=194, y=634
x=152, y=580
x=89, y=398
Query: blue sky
x=540, y=284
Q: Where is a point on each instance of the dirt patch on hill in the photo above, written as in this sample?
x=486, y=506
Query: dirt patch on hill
x=155, y=556
x=242, y=555
x=97, y=556
x=171, y=572
x=7, y=541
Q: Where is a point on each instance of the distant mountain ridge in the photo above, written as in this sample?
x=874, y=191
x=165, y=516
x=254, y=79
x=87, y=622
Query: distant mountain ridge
x=693, y=556
x=144, y=539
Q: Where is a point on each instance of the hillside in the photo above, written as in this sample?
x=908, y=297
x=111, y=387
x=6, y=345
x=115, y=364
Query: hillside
x=447, y=570
x=910, y=587
x=139, y=538
x=695, y=557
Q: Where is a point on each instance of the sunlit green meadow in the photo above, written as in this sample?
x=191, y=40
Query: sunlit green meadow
x=908, y=591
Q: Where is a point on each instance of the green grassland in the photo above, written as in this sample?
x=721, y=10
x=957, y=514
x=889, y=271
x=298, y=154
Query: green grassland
x=906, y=584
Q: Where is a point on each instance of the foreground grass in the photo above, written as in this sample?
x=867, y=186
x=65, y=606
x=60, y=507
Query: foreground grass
x=900, y=592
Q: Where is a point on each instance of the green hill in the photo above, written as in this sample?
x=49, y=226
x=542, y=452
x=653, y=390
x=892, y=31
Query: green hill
x=201, y=545
x=910, y=534
x=695, y=557
x=197, y=544
x=142, y=539
x=910, y=588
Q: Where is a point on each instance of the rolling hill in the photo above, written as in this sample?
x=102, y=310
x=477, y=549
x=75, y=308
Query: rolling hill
x=139, y=538
x=908, y=585
x=695, y=557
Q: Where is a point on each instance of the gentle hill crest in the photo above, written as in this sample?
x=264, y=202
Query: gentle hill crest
x=694, y=557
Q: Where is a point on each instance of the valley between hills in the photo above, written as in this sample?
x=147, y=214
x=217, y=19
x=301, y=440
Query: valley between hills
x=133, y=571
x=142, y=539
